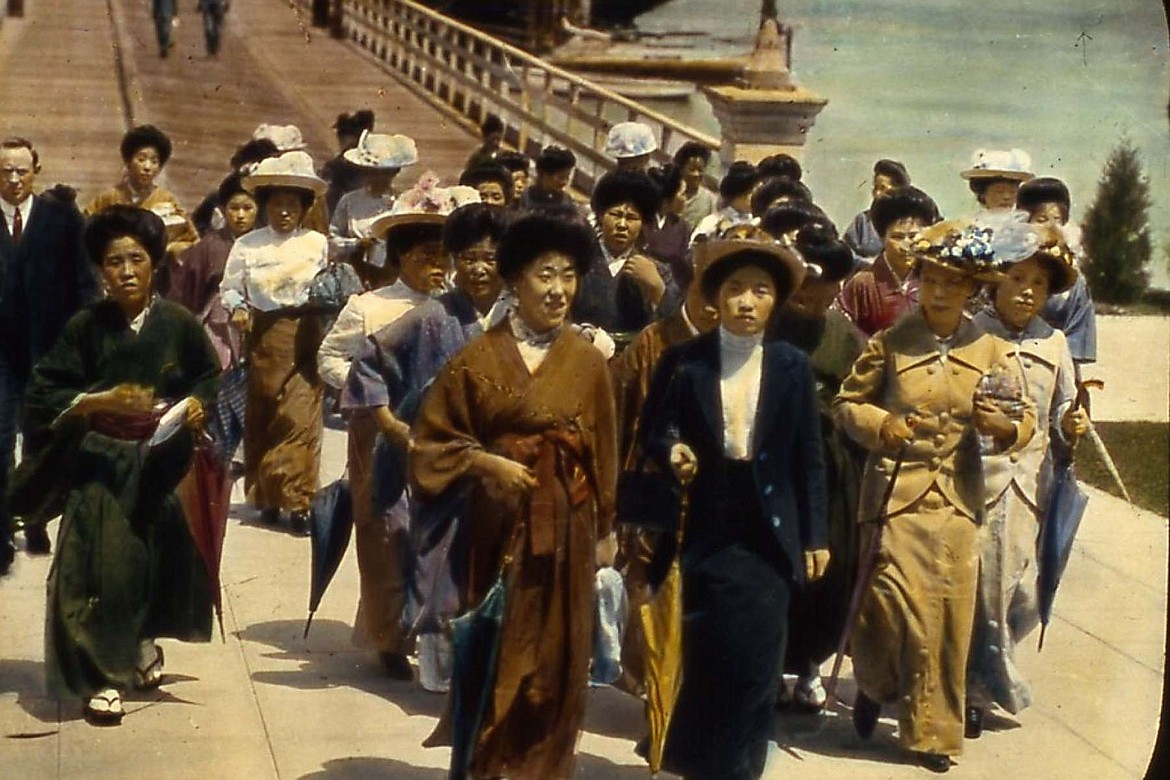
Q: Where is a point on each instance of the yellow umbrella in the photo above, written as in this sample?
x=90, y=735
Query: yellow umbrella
x=662, y=621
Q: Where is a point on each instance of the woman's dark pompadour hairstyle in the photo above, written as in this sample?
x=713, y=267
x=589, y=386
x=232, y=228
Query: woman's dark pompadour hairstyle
x=902, y=203
x=780, y=165
x=668, y=179
x=143, y=136
x=231, y=186
x=554, y=159
x=1045, y=189
x=692, y=149
x=818, y=244
x=775, y=188
x=119, y=221
x=619, y=186
x=893, y=170
x=514, y=161
x=492, y=171
x=467, y=225
x=535, y=234
x=740, y=178
x=792, y=215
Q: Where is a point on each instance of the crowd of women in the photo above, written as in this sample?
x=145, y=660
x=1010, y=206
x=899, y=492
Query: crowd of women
x=505, y=356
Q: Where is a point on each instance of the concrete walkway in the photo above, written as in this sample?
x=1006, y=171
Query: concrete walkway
x=265, y=703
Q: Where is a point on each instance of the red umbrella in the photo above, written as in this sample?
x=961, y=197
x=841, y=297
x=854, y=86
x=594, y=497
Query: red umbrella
x=205, y=496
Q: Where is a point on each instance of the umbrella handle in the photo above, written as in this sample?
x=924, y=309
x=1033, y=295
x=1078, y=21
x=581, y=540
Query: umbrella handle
x=865, y=572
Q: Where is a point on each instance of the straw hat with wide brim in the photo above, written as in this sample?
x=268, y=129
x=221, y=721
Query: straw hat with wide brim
x=291, y=169
x=382, y=152
x=724, y=256
x=1013, y=164
x=424, y=204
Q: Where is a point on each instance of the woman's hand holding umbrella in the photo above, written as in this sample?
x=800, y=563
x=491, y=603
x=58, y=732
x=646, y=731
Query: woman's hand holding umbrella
x=684, y=463
x=897, y=429
x=242, y=320
x=393, y=428
x=1075, y=423
x=816, y=562
x=196, y=414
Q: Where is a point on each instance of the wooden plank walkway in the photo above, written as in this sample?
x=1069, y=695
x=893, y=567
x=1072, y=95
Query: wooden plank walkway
x=272, y=68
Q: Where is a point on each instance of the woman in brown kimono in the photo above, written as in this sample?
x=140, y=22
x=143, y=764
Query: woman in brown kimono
x=914, y=400
x=523, y=418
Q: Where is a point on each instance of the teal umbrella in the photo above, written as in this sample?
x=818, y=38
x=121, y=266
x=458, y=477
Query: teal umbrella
x=330, y=526
x=475, y=649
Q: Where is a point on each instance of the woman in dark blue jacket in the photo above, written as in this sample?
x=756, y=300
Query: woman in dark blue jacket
x=734, y=418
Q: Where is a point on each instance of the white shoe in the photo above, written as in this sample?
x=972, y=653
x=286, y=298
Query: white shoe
x=105, y=708
x=810, y=693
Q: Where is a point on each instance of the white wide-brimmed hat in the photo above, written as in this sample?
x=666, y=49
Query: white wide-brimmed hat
x=425, y=203
x=287, y=138
x=630, y=139
x=1000, y=164
x=291, y=169
x=380, y=151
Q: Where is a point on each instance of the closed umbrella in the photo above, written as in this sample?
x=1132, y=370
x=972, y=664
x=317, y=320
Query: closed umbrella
x=1062, y=518
x=205, y=497
x=662, y=621
x=330, y=525
x=475, y=650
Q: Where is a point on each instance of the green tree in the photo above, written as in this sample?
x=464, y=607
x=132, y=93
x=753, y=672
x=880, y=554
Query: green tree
x=1117, y=231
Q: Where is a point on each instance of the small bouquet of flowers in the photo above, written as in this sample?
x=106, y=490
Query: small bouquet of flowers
x=1002, y=387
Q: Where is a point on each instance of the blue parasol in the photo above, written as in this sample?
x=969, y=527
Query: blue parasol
x=330, y=525
x=1066, y=507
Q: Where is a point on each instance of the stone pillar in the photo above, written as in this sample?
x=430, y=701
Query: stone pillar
x=767, y=112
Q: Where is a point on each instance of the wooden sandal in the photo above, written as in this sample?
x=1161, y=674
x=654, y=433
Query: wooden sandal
x=150, y=676
x=105, y=708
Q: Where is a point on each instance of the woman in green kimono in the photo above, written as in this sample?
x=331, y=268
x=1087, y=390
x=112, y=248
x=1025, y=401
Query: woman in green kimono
x=126, y=570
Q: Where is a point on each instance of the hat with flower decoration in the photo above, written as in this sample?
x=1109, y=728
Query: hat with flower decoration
x=383, y=152
x=291, y=169
x=630, y=139
x=286, y=137
x=957, y=245
x=424, y=203
x=1014, y=242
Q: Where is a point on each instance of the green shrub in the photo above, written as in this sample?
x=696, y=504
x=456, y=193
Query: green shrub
x=1117, y=232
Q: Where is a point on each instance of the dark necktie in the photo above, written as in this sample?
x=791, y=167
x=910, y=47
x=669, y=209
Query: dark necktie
x=17, y=225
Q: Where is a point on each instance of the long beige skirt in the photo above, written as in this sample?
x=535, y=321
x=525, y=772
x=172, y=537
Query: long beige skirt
x=914, y=630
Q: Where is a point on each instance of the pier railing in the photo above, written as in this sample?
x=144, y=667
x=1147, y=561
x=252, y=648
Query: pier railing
x=474, y=74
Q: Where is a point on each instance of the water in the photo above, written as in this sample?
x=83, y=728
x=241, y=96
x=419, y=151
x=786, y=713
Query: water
x=929, y=81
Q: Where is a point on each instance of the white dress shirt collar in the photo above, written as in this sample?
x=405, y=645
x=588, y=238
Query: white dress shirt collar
x=9, y=210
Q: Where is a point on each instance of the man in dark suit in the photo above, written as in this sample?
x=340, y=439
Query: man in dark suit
x=44, y=279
